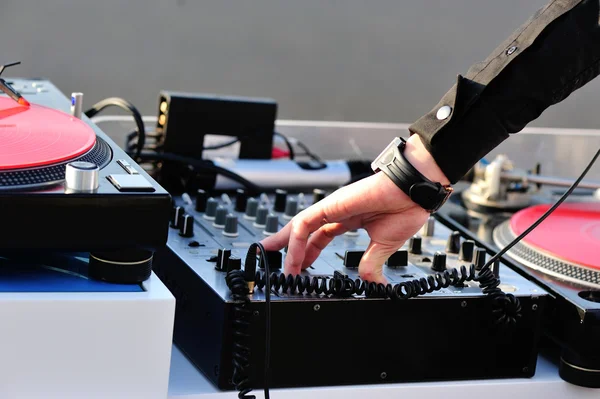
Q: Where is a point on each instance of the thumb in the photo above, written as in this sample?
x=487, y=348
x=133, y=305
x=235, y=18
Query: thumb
x=371, y=264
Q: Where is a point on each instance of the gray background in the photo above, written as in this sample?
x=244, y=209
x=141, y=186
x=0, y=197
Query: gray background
x=350, y=60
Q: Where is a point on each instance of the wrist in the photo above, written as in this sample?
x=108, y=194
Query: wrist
x=418, y=156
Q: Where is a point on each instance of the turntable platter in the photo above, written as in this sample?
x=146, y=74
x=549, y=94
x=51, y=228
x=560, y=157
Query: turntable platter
x=39, y=136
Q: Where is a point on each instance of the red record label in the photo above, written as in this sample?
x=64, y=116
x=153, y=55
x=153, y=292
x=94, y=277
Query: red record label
x=39, y=136
x=571, y=233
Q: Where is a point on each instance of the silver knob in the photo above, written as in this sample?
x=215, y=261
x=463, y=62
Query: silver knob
x=429, y=227
x=81, y=176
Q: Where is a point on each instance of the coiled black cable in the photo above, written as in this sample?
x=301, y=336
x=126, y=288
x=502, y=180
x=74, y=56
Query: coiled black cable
x=236, y=281
x=506, y=307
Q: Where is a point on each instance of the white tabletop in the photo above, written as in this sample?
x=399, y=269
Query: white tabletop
x=188, y=383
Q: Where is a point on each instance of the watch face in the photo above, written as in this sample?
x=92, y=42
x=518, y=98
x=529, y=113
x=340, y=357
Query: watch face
x=427, y=195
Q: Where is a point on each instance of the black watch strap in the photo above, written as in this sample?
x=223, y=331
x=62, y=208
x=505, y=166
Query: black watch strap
x=429, y=195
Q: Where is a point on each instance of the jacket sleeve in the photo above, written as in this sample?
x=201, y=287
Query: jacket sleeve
x=553, y=54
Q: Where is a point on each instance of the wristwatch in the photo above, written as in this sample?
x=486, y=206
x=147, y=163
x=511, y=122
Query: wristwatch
x=429, y=195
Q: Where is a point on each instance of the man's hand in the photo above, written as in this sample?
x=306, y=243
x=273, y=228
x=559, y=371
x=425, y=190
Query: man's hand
x=375, y=204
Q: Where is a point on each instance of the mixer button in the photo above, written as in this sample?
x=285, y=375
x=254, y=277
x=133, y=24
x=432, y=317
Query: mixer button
x=222, y=259
x=453, y=244
x=429, y=227
x=201, y=201
x=318, y=195
x=211, y=208
x=480, y=254
x=291, y=208
x=186, y=228
x=261, y=216
x=414, y=245
x=241, y=199
x=439, y=262
x=251, y=208
x=272, y=225
x=352, y=258
x=231, y=226
x=177, y=216
x=398, y=259
x=280, y=200
x=466, y=251
x=220, y=217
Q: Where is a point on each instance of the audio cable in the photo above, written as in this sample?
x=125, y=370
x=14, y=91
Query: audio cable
x=240, y=282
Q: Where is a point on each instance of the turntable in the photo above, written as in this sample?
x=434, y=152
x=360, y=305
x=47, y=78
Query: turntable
x=562, y=254
x=64, y=185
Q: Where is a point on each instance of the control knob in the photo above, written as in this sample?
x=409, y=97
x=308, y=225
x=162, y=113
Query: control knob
x=429, y=227
x=220, y=217
x=291, y=208
x=261, y=216
x=211, y=208
x=241, y=199
x=414, y=245
x=231, y=226
x=251, y=208
x=201, y=201
x=280, y=200
x=186, y=228
x=177, y=216
x=453, y=244
x=439, y=262
x=466, y=251
x=479, y=258
x=81, y=176
x=272, y=225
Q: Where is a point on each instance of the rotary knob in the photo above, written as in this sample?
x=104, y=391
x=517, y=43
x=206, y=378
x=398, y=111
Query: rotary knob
x=291, y=208
x=318, y=195
x=81, y=176
x=201, y=201
x=176, y=216
x=453, y=244
x=398, y=259
x=220, y=217
x=272, y=225
x=261, y=216
x=414, y=245
x=211, y=208
x=479, y=258
x=280, y=200
x=466, y=251
x=222, y=259
x=231, y=226
x=241, y=199
x=439, y=262
x=251, y=208
x=429, y=227
x=234, y=263
x=186, y=228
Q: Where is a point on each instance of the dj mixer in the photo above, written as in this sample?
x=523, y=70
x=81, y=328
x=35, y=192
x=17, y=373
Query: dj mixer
x=454, y=332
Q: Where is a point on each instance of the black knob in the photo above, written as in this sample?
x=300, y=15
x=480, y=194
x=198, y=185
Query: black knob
x=234, y=263
x=251, y=207
x=222, y=259
x=496, y=268
x=439, y=262
x=352, y=258
x=211, y=208
x=274, y=258
x=280, y=200
x=177, y=216
x=398, y=259
x=231, y=226
x=414, y=245
x=261, y=216
x=201, y=201
x=241, y=198
x=479, y=258
x=186, y=228
x=453, y=244
x=318, y=195
x=466, y=251
x=220, y=217
x=272, y=225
